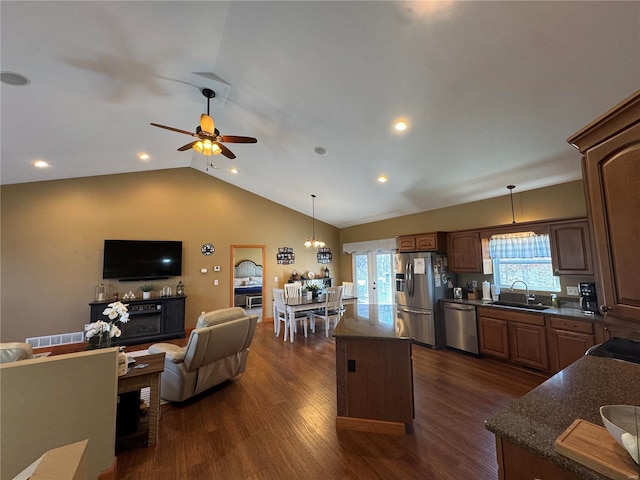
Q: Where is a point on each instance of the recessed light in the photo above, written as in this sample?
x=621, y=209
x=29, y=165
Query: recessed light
x=40, y=164
x=234, y=170
x=400, y=125
x=143, y=156
x=382, y=179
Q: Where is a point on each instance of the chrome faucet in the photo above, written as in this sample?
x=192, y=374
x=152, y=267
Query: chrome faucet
x=526, y=291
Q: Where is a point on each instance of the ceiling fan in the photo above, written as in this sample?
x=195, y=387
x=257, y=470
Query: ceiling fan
x=209, y=142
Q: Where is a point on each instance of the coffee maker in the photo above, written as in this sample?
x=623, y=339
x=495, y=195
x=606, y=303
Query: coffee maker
x=588, y=298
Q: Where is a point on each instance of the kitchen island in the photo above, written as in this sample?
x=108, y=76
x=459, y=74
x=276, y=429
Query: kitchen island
x=526, y=431
x=374, y=373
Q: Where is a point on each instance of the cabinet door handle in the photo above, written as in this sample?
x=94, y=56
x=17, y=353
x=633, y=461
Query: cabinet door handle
x=605, y=309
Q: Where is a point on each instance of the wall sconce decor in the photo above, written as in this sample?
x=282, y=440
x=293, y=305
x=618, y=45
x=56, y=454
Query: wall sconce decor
x=324, y=255
x=285, y=256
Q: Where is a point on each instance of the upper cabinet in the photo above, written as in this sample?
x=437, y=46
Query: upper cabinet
x=611, y=171
x=571, y=248
x=423, y=242
x=464, y=252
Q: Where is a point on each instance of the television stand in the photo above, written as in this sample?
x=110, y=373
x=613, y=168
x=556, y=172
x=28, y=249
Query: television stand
x=150, y=320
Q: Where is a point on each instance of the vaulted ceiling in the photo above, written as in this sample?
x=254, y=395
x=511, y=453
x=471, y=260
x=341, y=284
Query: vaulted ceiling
x=490, y=90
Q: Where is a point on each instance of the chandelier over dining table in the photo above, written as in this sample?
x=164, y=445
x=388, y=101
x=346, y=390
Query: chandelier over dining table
x=313, y=241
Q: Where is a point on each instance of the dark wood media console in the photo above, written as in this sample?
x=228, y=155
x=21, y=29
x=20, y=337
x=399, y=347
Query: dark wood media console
x=150, y=320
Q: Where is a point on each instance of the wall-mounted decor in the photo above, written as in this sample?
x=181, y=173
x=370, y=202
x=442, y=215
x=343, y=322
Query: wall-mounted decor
x=324, y=255
x=285, y=256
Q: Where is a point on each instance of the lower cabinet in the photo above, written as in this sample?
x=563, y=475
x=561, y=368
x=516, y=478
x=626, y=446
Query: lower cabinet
x=568, y=341
x=516, y=463
x=543, y=342
x=494, y=337
x=515, y=336
x=528, y=344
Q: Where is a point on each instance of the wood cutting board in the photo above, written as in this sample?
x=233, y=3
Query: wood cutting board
x=594, y=447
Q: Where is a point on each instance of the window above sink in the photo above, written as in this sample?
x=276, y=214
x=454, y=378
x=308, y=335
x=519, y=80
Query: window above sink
x=525, y=257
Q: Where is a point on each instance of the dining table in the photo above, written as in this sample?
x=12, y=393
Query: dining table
x=303, y=303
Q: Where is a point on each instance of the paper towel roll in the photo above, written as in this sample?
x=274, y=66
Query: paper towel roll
x=486, y=291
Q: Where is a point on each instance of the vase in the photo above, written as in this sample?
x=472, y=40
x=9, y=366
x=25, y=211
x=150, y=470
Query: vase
x=146, y=295
x=122, y=363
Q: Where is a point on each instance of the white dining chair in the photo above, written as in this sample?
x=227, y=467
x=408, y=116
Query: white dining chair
x=280, y=315
x=331, y=309
x=292, y=289
x=347, y=289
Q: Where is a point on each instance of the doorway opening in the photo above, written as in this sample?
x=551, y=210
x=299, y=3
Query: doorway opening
x=248, y=288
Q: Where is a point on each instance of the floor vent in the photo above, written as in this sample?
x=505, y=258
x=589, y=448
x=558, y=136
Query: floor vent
x=60, y=339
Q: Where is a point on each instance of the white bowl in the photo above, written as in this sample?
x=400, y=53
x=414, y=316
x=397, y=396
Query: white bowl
x=622, y=423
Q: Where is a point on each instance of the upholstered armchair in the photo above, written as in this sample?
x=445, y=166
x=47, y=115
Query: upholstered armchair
x=217, y=351
x=14, y=351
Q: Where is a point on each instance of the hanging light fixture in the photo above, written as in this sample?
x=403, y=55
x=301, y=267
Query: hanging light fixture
x=313, y=241
x=513, y=217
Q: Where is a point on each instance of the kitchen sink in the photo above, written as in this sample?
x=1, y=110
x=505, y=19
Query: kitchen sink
x=523, y=306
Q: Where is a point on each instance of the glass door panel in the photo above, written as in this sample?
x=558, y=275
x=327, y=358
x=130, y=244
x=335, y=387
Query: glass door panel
x=372, y=277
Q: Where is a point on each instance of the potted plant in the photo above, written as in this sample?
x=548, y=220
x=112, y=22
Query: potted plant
x=314, y=288
x=146, y=290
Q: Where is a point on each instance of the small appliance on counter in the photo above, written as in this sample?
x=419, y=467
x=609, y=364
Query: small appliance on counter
x=588, y=298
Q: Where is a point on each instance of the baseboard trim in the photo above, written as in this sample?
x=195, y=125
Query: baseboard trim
x=371, y=426
x=111, y=473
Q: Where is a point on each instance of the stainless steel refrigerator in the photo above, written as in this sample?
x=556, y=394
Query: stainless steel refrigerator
x=422, y=280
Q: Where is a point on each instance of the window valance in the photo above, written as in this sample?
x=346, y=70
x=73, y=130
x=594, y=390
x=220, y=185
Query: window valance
x=519, y=245
x=370, y=245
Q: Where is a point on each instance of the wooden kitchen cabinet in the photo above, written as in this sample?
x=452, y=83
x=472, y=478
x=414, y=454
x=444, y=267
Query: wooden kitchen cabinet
x=423, y=242
x=571, y=248
x=515, y=336
x=568, y=340
x=493, y=337
x=611, y=172
x=464, y=252
x=516, y=463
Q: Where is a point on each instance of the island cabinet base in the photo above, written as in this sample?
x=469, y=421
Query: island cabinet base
x=374, y=379
x=516, y=463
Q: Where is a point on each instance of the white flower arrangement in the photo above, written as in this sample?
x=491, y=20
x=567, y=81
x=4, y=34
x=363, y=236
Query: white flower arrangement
x=105, y=331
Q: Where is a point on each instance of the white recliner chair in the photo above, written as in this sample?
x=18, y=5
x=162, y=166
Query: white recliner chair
x=217, y=351
x=14, y=351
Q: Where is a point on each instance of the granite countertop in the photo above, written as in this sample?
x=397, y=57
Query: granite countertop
x=371, y=321
x=567, y=311
x=535, y=420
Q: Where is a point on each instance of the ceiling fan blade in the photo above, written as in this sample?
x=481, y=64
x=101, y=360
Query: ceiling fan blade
x=236, y=139
x=174, y=129
x=187, y=146
x=226, y=152
x=206, y=123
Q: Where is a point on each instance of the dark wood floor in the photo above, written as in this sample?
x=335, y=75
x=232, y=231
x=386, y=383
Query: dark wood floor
x=277, y=421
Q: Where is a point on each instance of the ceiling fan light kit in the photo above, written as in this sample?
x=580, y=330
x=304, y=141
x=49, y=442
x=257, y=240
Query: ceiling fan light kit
x=209, y=142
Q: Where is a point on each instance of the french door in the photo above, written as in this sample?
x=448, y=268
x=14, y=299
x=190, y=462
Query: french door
x=372, y=274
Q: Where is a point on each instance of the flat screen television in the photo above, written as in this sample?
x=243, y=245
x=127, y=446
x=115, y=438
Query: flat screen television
x=142, y=259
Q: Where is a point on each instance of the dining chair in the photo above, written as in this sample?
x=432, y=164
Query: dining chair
x=292, y=289
x=330, y=310
x=280, y=315
x=347, y=289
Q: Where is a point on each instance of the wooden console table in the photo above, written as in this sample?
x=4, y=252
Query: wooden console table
x=149, y=376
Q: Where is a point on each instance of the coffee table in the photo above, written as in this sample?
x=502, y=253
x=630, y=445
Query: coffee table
x=148, y=376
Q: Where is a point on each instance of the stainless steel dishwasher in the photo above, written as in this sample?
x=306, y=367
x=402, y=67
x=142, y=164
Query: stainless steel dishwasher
x=461, y=327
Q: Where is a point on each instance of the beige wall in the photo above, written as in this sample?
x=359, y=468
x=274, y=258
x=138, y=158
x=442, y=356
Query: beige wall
x=53, y=236
x=53, y=233
x=559, y=201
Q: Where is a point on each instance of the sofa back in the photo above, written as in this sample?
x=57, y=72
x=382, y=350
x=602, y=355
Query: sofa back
x=228, y=332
